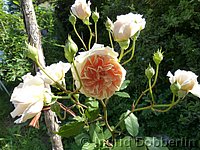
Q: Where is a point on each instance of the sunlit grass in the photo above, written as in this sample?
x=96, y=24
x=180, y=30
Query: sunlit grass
x=19, y=137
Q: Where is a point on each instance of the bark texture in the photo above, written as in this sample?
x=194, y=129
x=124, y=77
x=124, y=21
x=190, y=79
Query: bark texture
x=35, y=40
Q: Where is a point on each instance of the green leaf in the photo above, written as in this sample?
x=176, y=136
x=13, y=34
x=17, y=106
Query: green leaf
x=71, y=129
x=81, y=139
x=107, y=134
x=131, y=123
x=16, y=3
x=154, y=143
x=96, y=133
x=91, y=115
x=92, y=111
x=89, y=146
x=122, y=94
x=122, y=124
x=125, y=84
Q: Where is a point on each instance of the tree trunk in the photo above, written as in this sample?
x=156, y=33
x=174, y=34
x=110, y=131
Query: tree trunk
x=35, y=40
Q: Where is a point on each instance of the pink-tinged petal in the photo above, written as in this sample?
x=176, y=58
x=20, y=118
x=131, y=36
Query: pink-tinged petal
x=101, y=76
x=81, y=9
x=30, y=112
x=99, y=71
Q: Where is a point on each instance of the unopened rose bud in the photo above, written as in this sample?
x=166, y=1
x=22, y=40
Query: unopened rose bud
x=109, y=24
x=149, y=72
x=124, y=44
x=70, y=49
x=32, y=52
x=81, y=9
x=95, y=16
x=126, y=26
x=158, y=57
x=72, y=19
x=175, y=87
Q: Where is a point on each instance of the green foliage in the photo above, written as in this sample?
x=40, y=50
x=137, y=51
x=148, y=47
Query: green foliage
x=122, y=94
x=19, y=137
x=15, y=137
x=154, y=144
x=71, y=129
x=131, y=124
x=52, y=32
x=13, y=63
x=92, y=111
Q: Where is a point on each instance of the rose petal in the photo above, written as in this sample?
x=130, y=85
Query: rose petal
x=196, y=90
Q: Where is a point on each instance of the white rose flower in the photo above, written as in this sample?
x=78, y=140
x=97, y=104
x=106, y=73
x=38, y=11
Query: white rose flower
x=127, y=26
x=55, y=71
x=28, y=98
x=99, y=71
x=187, y=80
x=81, y=9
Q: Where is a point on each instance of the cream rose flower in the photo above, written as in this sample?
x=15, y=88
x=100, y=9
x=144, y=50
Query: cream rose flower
x=187, y=80
x=81, y=9
x=56, y=71
x=127, y=25
x=100, y=73
x=28, y=98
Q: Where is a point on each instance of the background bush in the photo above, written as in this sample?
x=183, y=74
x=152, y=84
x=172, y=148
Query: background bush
x=172, y=25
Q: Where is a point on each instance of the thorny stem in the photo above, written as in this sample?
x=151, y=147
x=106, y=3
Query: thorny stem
x=95, y=26
x=128, y=51
x=110, y=37
x=106, y=118
x=170, y=106
x=62, y=97
x=66, y=109
x=132, y=54
x=144, y=92
x=121, y=55
x=90, y=39
x=150, y=90
x=79, y=37
x=150, y=107
x=77, y=102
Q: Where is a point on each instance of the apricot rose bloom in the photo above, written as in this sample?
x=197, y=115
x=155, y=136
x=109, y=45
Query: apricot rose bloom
x=81, y=9
x=56, y=71
x=28, y=98
x=187, y=80
x=100, y=73
x=127, y=26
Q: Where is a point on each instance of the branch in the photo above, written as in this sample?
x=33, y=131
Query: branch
x=34, y=38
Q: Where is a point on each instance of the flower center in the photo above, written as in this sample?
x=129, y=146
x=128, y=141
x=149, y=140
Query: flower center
x=101, y=76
